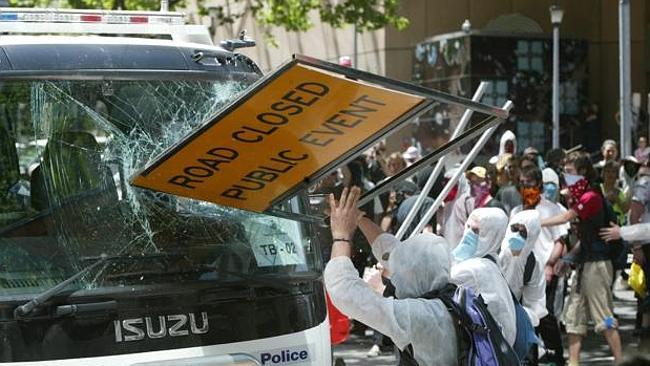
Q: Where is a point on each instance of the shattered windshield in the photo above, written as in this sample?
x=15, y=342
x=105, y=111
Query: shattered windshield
x=67, y=150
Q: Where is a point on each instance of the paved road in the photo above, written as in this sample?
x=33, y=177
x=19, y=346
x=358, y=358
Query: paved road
x=595, y=349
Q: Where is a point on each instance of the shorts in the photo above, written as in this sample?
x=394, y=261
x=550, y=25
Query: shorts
x=591, y=296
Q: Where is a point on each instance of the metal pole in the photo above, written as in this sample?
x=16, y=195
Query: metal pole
x=625, y=82
x=355, y=62
x=438, y=168
x=556, y=85
x=428, y=160
x=454, y=179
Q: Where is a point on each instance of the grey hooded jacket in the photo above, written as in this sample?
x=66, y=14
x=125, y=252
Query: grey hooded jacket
x=418, y=265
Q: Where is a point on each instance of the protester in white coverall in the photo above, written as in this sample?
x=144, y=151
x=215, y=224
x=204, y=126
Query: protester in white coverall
x=484, y=231
x=417, y=266
x=517, y=245
x=507, y=145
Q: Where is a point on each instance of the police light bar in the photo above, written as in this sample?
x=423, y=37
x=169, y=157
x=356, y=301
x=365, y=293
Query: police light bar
x=89, y=16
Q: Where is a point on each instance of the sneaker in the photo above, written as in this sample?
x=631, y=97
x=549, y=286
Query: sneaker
x=374, y=351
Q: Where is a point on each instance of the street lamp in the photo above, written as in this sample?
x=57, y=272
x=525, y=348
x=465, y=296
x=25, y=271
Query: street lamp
x=625, y=81
x=556, y=20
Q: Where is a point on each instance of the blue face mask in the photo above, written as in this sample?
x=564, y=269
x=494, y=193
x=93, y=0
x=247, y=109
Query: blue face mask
x=517, y=242
x=572, y=179
x=550, y=191
x=467, y=247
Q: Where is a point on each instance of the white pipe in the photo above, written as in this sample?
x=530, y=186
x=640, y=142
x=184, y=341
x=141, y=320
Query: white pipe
x=454, y=179
x=478, y=94
x=625, y=82
x=556, y=86
x=355, y=47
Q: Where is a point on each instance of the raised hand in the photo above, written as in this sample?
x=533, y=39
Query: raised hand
x=344, y=214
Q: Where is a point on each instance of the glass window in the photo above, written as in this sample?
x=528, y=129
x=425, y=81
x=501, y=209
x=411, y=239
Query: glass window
x=530, y=56
x=531, y=134
x=68, y=150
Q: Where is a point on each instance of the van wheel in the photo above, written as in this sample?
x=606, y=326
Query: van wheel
x=339, y=362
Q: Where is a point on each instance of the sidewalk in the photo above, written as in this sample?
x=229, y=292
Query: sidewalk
x=595, y=349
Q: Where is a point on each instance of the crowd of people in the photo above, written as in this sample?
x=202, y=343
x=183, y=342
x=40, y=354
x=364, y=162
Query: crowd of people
x=545, y=235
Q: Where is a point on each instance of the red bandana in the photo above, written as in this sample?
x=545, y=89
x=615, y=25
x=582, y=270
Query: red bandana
x=578, y=189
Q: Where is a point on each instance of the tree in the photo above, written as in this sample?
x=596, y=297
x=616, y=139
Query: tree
x=292, y=15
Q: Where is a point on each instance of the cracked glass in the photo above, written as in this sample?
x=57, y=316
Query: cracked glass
x=67, y=150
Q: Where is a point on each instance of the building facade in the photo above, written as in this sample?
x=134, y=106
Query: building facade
x=392, y=53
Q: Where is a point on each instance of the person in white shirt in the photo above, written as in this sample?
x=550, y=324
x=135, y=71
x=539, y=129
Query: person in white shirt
x=548, y=249
x=484, y=231
x=477, y=196
x=443, y=216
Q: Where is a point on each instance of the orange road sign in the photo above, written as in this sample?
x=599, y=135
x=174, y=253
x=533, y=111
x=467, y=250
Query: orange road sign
x=276, y=136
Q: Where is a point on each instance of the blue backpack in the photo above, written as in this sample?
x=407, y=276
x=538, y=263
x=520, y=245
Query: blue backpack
x=526, y=337
x=480, y=341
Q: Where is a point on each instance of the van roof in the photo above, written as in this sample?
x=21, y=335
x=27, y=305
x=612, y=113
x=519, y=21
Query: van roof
x=39, y=56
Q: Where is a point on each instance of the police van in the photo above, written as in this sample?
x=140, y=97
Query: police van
x=94, y=270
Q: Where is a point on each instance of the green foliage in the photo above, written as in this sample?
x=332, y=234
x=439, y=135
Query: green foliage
x=366, y=14
x=293, y=15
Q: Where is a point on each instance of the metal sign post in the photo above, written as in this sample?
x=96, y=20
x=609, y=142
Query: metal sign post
x=429, y=159
x=438, y=168
x=454, y=179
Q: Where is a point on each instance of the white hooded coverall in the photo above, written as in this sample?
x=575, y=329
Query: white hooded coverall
x=507, y=136
x=484, y=276
x=418, y=265
x=533, y=294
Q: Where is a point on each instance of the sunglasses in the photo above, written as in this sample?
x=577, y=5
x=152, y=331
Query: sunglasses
x=519, y=228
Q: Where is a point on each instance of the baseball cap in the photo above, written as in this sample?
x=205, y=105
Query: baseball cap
x=531, y=151
x=503, y=161
x=411, y=153
x=478, y=171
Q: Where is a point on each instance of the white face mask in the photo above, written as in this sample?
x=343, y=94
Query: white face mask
x=572, y=179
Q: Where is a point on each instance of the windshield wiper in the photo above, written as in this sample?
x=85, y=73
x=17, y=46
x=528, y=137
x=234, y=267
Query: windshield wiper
x=39, y=300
